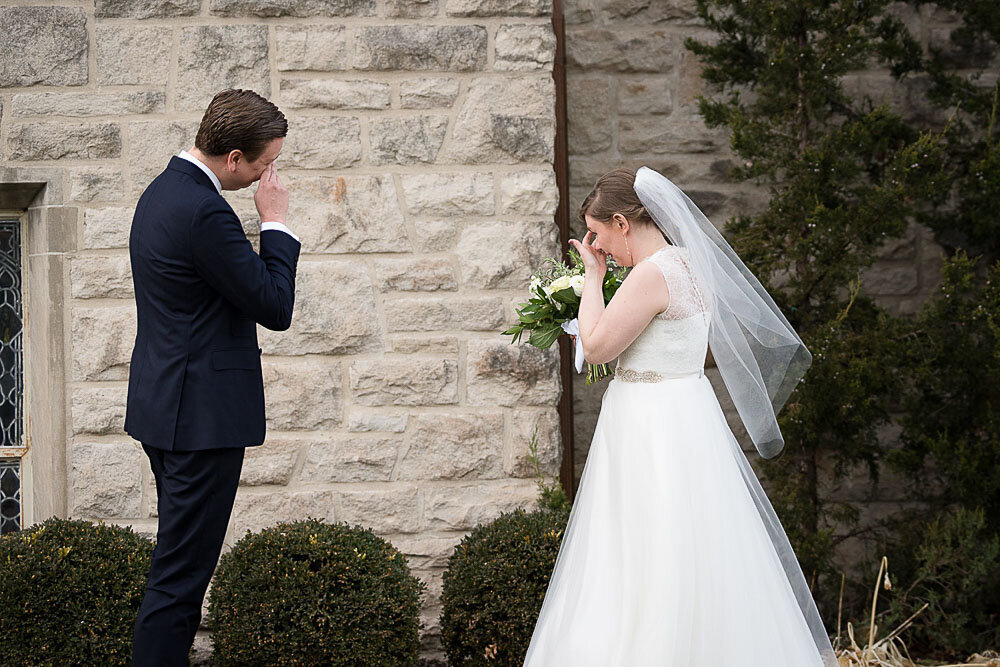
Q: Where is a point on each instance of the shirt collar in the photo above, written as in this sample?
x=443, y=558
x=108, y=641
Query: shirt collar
x=184, y=155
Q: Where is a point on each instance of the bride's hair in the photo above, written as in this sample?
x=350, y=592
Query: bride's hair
x=613, y=193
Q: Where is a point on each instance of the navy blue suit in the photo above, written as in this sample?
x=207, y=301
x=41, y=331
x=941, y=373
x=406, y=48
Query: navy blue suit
x=195, y=393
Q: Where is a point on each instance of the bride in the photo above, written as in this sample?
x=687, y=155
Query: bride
x=673, y=555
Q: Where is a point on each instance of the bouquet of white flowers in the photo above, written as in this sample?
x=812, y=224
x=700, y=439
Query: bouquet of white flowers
x=553, y=305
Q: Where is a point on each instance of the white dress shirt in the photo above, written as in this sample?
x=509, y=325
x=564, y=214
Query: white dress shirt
x=264, y=226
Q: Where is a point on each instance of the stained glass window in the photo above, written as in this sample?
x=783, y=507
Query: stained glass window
x=11, y=374
x=10, y=495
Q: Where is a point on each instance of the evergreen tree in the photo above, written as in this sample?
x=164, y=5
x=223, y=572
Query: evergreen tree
x=963, y=88
x=951, y=428
x=844, y=177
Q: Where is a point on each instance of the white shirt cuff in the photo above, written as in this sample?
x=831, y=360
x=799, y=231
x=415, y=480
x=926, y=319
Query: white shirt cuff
x=277, y=227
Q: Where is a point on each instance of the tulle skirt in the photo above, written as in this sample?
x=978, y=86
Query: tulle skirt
x=672, y=554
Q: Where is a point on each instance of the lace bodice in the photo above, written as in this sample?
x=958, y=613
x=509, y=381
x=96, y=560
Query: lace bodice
x=675, y=342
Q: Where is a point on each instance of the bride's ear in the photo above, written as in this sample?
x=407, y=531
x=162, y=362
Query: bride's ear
x=621, y=222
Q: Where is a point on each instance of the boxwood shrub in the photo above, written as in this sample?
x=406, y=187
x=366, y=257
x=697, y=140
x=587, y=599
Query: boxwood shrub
x=495, y=584
x=310, y=593
x=70, y=592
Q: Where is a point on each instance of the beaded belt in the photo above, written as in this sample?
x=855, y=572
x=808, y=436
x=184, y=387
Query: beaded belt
x=632, y=375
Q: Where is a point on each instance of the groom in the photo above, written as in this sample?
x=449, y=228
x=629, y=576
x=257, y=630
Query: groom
x=195, y=392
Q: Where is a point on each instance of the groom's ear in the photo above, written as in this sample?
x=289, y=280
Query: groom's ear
x=234, y=158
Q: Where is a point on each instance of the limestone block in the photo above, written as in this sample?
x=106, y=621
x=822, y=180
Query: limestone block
x=407, y=140
x=529, y=192
x=201, y=654
x=146, y=9
x=435, y=235
x=350, y=460
x=130, y=55
x=107, y=227
x=377, y=421
x=151, y=145
x=464, y=506
x=101, y=277
x=589, y=126
x=428, y=92
x=99, y=409
x=57, y=141
x=410, y=9
x=448, y=194
x=505, y=120
x=394, y=509
x=299, y=8
x=524, y=47
x=106, y=480
x=585, y=170
x=302, y=396
x=257, y=509
x=87, y=104
x=103, y=338
x=270, y=463
x=334, y=313
x=426, y=345
x=498, y=373
x=458, y=48
x=443, y=313
x=645, y=50
x=502, y=254
x=404, y=381
x=647, y=95
x=328, y=94
x=498, y=7
x=414, y=275
x=427, y=551
x=214, y=57
x=930, y=260
x=544, y=426
x=891, y=279
x=682, y=134
x=246, y=210
x=433, y=578
x=454, y=446
x=318, y=143
x=644, y=11
x=342, y=214
x=43, y=45
x=311, y=47
x=89, y=184
x=904, y=247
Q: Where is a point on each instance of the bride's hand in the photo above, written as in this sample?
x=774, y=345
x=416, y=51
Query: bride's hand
x=593, y=259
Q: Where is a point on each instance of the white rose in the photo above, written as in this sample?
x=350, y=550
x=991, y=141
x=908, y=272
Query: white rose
x=558, y=285
x=577, y=283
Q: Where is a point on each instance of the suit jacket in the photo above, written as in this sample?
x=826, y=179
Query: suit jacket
x=195, y=380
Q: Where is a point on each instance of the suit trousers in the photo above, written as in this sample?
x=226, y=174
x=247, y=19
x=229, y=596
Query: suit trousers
x=195, y=491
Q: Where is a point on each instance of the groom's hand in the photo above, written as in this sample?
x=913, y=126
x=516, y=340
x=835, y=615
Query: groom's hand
x=271, y=197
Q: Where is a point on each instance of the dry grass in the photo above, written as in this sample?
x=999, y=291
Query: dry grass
x=889, y=651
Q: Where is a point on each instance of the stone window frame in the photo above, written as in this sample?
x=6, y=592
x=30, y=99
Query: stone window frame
x=49, y=237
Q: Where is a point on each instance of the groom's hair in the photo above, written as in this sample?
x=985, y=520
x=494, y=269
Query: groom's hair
x=239, y=120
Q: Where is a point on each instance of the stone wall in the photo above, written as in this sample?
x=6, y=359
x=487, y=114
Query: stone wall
x=632, y=92
x=419, y=161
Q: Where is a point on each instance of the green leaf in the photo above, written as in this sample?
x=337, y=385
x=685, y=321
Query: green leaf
x=543, y=338
x=567, y=296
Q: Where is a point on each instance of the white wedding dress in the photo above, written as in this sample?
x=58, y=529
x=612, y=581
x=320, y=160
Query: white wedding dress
x=671, y=554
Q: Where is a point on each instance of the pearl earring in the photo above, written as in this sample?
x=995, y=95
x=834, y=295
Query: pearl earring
x=632, y=261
